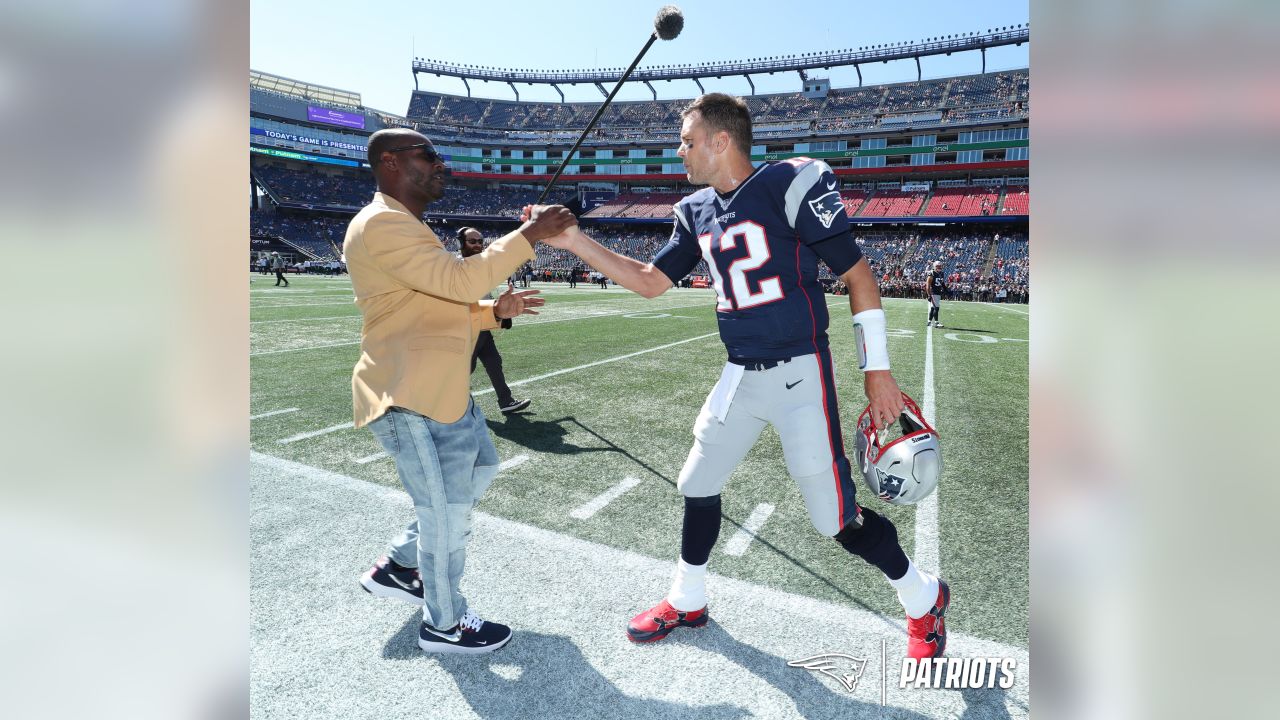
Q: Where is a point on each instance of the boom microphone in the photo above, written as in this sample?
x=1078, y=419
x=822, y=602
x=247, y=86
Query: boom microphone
x=667, y=25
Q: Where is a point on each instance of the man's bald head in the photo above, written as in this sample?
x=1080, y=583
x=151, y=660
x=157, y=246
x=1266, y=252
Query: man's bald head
x=407, y=167
x=390, y=139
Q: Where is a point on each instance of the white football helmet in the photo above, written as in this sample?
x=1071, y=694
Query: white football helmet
x=904, y=471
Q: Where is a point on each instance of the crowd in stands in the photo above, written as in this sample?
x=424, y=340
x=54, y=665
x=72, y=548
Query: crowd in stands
x=353, y=191
x=1003, y=93
x=314, y=187
x=979, y=264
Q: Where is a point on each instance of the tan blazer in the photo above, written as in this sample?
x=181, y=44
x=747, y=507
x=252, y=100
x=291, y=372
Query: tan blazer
x=420, y=309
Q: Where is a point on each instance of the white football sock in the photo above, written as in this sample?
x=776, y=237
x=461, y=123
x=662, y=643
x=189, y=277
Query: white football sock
x=917, y=591
x=689, y=588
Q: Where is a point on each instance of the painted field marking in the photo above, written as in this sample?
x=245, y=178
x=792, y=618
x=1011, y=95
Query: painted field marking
x=597, y=503
x=534, y=322
x=741, y=540
x=516, y=461
x=300, y=349
x=600, y=362
x=1006, y=306
x=926, y=550
x=259, y=416
x=286, y=494
x=316, y=433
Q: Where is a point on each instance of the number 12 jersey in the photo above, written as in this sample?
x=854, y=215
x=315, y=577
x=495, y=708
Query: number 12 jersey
x=762, y=243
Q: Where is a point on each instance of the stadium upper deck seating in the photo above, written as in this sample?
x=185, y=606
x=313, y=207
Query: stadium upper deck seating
x=996, y=92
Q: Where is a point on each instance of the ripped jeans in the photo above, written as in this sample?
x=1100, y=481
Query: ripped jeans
x=445, y=468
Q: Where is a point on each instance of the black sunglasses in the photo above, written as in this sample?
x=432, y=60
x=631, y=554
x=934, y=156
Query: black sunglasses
x=428, y=151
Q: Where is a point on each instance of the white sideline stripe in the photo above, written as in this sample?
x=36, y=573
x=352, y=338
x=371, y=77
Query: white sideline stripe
x=601, y=362
x=597, y=503
x=617, y=576
x=926, y=552
x=370, y=458
x=516, y=461
x=273, y=412
x=741, y=540
x=1014, y=340
x=330, y=317
x=316, y=433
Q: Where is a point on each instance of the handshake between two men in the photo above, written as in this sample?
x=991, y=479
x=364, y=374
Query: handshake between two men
x=552, y=224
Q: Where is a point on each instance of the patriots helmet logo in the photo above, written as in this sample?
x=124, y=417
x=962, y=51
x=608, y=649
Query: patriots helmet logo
x=826, y=207
x=845, y=669
x=891, y=486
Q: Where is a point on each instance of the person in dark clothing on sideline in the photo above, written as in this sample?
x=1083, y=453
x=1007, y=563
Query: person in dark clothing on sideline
x=471, y=243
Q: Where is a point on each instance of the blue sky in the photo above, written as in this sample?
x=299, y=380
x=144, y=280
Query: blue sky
x=351, y=46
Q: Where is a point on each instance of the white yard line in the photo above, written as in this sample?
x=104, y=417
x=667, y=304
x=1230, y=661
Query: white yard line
x=259, y=416
x=600, y=362
x=516, y=461
x=926, y=551
x=316, y=433
x=741, y=540
x=370, y=458
x=597, y=503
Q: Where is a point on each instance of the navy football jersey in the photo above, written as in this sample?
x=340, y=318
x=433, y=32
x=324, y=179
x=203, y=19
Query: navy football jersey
x=762, y=243
x=939, y=282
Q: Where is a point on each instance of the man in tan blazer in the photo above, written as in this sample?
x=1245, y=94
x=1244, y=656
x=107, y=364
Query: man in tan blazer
x=411, y=385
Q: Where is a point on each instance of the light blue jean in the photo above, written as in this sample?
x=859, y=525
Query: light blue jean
x=445, y=468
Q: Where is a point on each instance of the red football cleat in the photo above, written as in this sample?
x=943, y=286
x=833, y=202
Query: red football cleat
x=656, y=622
x=927, y=635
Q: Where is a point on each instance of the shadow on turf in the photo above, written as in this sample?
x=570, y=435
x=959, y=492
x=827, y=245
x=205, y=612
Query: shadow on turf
x=544, y=436
x=758, y=540
x=555, y=681
x=948, y=328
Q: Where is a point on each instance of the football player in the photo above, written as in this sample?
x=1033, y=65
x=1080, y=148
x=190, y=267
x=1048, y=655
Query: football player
x=934, y=285
x=762, y=231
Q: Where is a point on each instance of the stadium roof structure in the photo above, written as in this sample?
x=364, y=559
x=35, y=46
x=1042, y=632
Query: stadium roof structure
x=318, y=94
x=945, y=45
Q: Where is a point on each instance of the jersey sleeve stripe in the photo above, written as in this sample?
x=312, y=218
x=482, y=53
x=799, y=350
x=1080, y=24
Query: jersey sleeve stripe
x=681, y=219
x=800, y=185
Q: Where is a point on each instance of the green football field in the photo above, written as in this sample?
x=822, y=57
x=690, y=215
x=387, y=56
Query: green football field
x=616, y=382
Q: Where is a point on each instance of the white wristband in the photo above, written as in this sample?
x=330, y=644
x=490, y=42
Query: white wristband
x=872, y=341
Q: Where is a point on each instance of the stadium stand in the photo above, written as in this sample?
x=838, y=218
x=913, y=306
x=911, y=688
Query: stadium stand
x=893, y=203
x=936, y=102
x=308, y=205
x=1017, y=201
x=966, y=201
